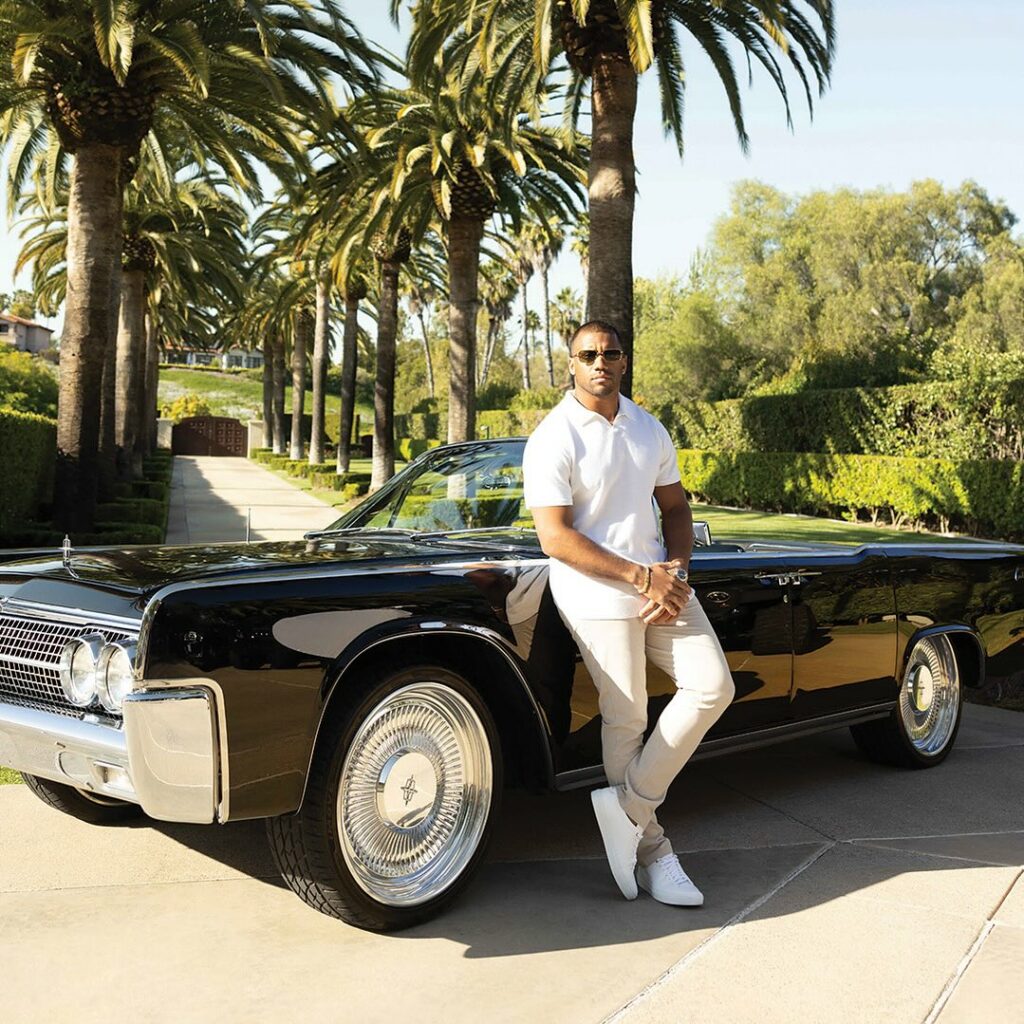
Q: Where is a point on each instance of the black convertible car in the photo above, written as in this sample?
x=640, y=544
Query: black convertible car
x=371, y=689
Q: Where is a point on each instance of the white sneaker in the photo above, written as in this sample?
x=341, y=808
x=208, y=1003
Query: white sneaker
x=621, y=838
x=667, y=882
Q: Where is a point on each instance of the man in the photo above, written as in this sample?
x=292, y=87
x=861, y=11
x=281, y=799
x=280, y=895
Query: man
x=594, y=469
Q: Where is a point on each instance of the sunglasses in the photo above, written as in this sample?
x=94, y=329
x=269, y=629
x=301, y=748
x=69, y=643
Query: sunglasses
x=588, y=356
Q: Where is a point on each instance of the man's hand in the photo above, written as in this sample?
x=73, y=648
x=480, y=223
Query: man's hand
x=656, y=612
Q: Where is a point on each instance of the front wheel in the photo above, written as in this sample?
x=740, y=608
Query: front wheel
x=921, y=730
x=90, y=807
x=401, y=798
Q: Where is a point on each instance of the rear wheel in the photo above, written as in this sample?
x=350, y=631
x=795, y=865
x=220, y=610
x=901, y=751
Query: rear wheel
x=922, y=728
x=401, y=798
x=90, y=807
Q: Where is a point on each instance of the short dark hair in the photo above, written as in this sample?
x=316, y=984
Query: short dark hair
x=595, y=327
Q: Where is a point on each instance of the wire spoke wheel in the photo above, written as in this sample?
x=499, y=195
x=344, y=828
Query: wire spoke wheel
x=415, y=794
x=929, y=701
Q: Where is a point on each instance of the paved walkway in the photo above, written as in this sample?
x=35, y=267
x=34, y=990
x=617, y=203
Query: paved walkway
x=838, y=891
x=213, y=498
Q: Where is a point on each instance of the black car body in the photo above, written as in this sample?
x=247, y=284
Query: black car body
x=262, y=673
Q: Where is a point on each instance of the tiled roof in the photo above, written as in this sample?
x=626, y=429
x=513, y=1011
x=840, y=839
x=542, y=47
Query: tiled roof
x=12, y=319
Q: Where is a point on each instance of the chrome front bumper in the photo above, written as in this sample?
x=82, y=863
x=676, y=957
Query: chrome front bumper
x=165, y=757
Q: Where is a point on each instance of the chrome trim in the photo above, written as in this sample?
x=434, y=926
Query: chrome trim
x=62, y=749
x=73, y=615
x=480, y=632
x=173, y=751
x=580, y=777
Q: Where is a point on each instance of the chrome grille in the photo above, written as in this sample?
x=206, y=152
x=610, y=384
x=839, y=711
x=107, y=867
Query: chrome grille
x=30, y=658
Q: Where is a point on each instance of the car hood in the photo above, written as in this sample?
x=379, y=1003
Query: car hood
x=142, y=569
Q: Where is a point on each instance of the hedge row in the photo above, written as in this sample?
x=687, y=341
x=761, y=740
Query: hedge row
x=136, y=515
x=976, y=496
x=961, y=419
x=27, y=446
x=423, y=426
x=323, y=476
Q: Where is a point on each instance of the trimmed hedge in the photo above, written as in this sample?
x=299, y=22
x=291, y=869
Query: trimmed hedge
x=135, y=511
x=425, y=426
x=980, y=497
x=28, y=445
x=961, y=419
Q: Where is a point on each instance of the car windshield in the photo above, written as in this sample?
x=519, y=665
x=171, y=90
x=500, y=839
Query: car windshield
x=474, y=488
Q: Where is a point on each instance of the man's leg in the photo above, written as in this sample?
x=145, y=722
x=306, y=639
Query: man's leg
x=688, y=651
x=613, y=652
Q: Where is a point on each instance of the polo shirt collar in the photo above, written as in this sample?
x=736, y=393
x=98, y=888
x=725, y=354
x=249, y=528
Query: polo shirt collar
x=578, y=411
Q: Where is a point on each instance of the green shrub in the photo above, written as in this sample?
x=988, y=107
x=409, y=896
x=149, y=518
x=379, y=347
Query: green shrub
x=132, y=510
x=408, y=448
x=184, y=407
x=27, y=384
x=961, y=419
x=159, y=490
x=28, y=445
x=981, y=497
x=114, y=534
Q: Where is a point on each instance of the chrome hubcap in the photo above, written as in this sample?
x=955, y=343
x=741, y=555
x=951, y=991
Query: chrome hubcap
x=415, y=794
x=930, y=696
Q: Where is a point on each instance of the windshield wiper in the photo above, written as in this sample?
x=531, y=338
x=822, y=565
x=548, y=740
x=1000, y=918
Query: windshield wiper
x=474, y=529
x=375, y=530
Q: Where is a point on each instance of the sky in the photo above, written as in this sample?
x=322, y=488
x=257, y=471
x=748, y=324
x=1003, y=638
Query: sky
x=920, y=89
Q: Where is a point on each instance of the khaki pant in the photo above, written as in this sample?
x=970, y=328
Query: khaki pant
x=615, y=652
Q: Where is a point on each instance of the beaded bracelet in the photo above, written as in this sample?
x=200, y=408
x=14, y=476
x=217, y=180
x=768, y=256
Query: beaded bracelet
x=647, y=580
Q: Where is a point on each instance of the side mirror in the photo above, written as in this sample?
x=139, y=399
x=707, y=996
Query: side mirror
x=701, y=533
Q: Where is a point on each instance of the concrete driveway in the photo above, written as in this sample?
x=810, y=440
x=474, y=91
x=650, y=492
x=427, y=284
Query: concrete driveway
x=213, y=499
x=837, y=890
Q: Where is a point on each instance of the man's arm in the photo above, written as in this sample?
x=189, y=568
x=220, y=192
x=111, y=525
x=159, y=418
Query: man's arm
x=559, y=539
x=676, y=522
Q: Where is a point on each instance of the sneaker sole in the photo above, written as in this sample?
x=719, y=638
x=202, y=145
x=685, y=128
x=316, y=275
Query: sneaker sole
x=624, y=877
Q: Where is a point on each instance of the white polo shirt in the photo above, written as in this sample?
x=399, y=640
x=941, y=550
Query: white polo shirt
x=607, y=473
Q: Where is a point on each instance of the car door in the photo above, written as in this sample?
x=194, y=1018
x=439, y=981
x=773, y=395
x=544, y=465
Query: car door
x=750, y=614
x=844, y=632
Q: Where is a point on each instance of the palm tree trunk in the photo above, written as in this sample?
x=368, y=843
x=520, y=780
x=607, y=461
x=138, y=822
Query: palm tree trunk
x=130, y=345
x=526, y=342
x=492, y=337
x=279, y=386
x=612, y=196
x=268, y=392
x=321, y=340
x=95, y=204
x=107, y=467
x=426, y=352
x=384, y=388
x=348, y=382
x=464, y=235
x=298, y=385
x=151, y=411
x=548, y=358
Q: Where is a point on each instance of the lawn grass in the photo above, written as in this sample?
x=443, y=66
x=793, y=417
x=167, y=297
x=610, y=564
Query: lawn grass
x=332, y=498
x=745, y=525
x=241, y=398
x=9, y=776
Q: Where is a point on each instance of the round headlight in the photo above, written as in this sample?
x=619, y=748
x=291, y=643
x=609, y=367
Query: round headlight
x=78, y=663
x=115, y=675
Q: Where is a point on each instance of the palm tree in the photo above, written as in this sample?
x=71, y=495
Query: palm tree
x=546, y=240
x=98, y=74
x=453, y=160
x=390, y=250
x=566, y=314
x=609, y=44
x=355, y=290
x=498, y=287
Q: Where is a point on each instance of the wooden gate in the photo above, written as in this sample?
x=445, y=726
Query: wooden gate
x=209, y=435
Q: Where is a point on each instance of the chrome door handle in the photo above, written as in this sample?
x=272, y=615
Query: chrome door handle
x=1018, y=574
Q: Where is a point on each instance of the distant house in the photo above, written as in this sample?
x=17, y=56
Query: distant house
x=24, y=335
x=235, y=357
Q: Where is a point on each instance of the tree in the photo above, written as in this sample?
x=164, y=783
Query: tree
x=96, y=75
x=547, y=239
x=498, y=287
x=455, y=162
x=608, y=44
